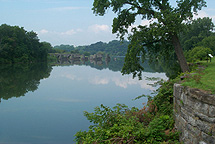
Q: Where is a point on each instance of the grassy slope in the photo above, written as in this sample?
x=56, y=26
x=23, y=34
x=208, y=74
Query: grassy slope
x=203, y=80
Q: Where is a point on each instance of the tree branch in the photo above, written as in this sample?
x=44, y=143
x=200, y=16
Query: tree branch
x=149, y=43
x=141, y=8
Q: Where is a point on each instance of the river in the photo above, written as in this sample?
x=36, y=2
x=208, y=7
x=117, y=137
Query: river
x=44, y=104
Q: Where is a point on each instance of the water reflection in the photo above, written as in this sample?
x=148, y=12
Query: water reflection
x=113, y=64
x=17, y=80
x=105, y=77
x=56, y=96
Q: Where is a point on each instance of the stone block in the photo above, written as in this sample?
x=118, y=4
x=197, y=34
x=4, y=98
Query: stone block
x=177, y=108
x=204, y=126
x=178, y=89
x=191, y=121
x=194, y=130
x=211, y=110
x=205, y=117
x=201, y=107
x=184, y=114
x=194, y=112
x=202, y=96
x=182, y=121
x=207, y=138
x=186, y=134
x=213, y=130
x=179, y=104
x=184, y=98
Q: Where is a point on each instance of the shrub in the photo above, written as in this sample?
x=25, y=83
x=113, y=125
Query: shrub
x=198, y=53
x=153, y=123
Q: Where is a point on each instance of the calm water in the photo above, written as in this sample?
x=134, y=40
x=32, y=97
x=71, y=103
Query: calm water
x=41, y=104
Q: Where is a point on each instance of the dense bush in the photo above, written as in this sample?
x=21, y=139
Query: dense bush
x=18, y=45
x=198, y=53
x=153, y=123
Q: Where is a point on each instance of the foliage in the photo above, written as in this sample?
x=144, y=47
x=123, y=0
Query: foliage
x=151, y=124
x=18, y=45
x=195, y=32
x=168, y=64
x=164, y=97
x=65, y=48
x=47, y=46
x=159, y=38
x=208, y=42
x=198, y=53
x=115, y=48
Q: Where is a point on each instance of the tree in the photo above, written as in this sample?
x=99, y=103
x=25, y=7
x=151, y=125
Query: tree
x=159, y=37
x=208, y=42
x=18, y=45
x=66, y=48
x=196, y=32
x=198, y=53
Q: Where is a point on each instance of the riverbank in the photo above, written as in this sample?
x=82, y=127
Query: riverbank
x=154, y=123
x=203, y=77
x=194, y=107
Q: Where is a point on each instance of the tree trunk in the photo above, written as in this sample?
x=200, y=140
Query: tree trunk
x=180, y=54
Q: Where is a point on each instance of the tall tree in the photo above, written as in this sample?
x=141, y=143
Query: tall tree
x=208, y=42
x=159, y=37
x=195, y=32
x=18, y=45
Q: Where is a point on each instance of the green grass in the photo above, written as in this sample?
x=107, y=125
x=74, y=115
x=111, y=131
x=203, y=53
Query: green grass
x=204, y=80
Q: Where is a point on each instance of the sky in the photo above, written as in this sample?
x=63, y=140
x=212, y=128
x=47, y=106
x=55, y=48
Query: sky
x=68, y=21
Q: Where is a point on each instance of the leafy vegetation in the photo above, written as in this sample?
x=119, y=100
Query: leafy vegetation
x=157, y=39
x=194, y=34
x=18, y=45
x=198, y=53
x=153, y=123
x=197, y=39
x=63, y=48
x=115, y=48
x=208, y=42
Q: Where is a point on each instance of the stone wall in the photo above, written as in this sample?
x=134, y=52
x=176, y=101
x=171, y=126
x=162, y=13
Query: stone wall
x=194, y=115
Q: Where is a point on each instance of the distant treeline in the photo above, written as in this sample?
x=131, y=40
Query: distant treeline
x=19, y=46
x=197, y=40
x=115, y=47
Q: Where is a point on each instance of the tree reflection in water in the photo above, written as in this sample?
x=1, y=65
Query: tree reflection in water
x=18, y=79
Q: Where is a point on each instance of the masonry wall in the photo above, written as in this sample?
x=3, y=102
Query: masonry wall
x=194, y=115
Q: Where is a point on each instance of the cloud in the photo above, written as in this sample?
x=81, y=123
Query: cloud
x=71, y=76
x=66, y=33
x=98, y=80
x=123, y=83
x=200, y=14
x=99, y=28
x=43, y=31
x=145, y=22
x=69, y=32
